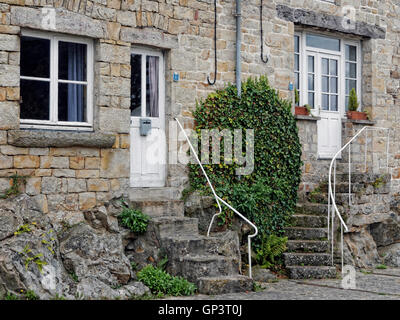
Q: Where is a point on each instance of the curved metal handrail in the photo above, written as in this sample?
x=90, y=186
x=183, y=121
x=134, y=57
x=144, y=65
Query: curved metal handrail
x=331, y=193
x=219, y=201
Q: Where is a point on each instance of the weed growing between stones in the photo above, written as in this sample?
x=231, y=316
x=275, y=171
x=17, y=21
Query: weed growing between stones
x=161, y=282
x=16, y=182
x=134, y=220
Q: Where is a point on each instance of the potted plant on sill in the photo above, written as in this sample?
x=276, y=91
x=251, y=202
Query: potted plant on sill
x=353, y=114
x=300, y=111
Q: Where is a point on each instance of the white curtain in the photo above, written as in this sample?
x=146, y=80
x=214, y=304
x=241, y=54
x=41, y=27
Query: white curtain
x=152, y=109
x=76, y=69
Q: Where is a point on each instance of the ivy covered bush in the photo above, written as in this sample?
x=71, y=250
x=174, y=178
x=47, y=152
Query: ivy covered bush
x=268, y=195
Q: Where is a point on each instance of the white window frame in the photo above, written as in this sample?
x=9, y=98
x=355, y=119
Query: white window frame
x=144, y=52
x=53, y=122
x=304, y=50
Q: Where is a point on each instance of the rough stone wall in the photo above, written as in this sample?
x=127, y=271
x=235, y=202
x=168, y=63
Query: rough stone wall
x=184, y=30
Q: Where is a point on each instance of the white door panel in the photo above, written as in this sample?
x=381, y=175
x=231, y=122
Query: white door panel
x=148, y=153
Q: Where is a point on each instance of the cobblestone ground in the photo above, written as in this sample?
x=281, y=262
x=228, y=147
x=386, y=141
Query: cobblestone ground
x=378, y=285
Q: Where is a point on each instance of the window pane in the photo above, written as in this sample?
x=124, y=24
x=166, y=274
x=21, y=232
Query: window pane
x=333, y=85
x=351, y=53
x=136, y=85
x=349, y=85
x=71, y=61
x=325, y=102
x=311, y=82
x=351, y=70
x=347, y=103
x=310, y=64
x=296, y=62
x=72, y=102
x=323, y=42
x=333, y=67
x=35, y=100
x=325, y=84
x=35, y=57
x=311, y=99
x=325, y=66
x=296, y=44
x=334, y=103
x=152, y=92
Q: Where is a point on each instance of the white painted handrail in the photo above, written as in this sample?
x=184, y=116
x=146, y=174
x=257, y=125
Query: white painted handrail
x=219, y=201
x=332, y=191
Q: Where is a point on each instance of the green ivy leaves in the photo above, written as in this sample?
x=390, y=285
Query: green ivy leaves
x=267, y=196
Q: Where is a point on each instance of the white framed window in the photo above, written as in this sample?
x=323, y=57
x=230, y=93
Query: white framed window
x=56, y=81
x=328, y=68
x=147, y=83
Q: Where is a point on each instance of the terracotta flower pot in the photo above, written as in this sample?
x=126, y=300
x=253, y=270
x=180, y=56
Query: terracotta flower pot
x=356, y=115
x=301, y=111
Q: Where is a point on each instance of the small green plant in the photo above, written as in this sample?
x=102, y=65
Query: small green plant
x=31, y=295
x=31, y=257
x=134, y=266
x=22, y=229
x=269, y=253
x=74, y=277
x=257, y=287
x=134, y=220
x=58, y=297
x=353, y=101
x=308, y=107
x=296, y=97
x=381, y=266
x=11, y=296
x=379, y=182
x=16, y=182
x=162, y=282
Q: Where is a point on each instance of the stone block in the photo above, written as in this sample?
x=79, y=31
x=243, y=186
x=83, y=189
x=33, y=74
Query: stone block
x=92, y=163
x=49, y=162
x=26, y=161
x=77, y=185
x=64, y=173
x=9, y=42
x=84, y=174
x=98, y=185
x=33, y=186
x=9, y=112
x=77, y=162
x=115, y=163
x=6, y=162
x=87, y=200
x=114, y=120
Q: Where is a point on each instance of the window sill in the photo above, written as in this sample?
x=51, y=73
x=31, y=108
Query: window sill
x=59, y=139
x=363, y=122
x=306, y=118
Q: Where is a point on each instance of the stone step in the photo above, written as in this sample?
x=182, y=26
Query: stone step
x=160, y=208
x=226, y=243
x=310, y=221
x=154, y=194
x=224, y=284
x=369, y=178
x=310, y=208
x=311, y=272
x=167, y=226
x=307, y=246
x=307, y=259
x=306, y=233
x=195, y=267
x=378, y=187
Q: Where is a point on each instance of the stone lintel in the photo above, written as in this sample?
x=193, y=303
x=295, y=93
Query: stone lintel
x=330, y=22
x=60, y=139
x=154, y=38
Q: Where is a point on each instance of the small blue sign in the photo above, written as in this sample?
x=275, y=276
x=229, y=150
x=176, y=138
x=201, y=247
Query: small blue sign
x=290, y=86
x=176, y=76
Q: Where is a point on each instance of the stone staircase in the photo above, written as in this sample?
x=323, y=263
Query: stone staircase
x=308, y=248
x=213, y=263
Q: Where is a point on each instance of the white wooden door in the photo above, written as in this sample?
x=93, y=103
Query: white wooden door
x=324, y=92
x=148, y=152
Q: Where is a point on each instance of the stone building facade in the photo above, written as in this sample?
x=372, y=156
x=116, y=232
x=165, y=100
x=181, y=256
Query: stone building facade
x=71, y=169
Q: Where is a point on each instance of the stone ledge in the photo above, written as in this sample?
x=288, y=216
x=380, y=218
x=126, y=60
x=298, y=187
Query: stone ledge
x=59, y=139
x=330, y=22
x=363, y=122
x=306, y=118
